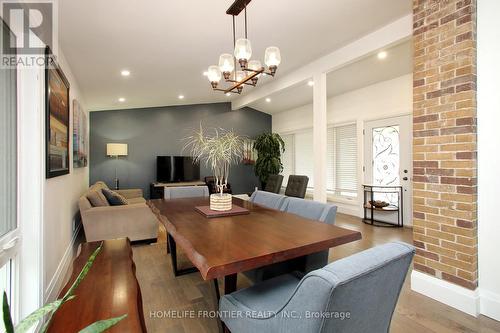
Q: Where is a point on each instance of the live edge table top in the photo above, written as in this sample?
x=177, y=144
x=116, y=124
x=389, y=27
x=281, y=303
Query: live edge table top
x=227, y=245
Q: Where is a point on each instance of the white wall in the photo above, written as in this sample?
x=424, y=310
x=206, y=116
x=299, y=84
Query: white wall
x=60, y=207
x=488, y=114
x=381, y=100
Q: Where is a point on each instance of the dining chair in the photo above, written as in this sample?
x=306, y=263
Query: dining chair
x=186, y=192
x=296, y=186
x=308, y=209
x=273, y=184
x=356, y=294
x=268, y=199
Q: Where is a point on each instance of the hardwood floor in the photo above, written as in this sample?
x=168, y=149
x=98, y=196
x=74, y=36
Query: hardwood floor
x=162, y=292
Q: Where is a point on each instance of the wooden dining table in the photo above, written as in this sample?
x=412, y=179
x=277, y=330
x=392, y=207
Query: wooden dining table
x=222, y=247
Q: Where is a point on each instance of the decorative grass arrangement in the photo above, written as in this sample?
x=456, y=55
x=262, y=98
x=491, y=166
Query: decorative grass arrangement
x=51, y=308
x=219, y=150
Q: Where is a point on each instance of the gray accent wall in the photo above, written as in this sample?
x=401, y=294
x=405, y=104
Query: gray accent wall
x=150, y=132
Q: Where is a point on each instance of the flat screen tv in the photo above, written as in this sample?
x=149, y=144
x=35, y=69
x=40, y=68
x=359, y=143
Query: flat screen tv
x=173, y=169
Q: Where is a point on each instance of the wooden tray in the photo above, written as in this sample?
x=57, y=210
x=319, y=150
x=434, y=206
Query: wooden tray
x=208, y=213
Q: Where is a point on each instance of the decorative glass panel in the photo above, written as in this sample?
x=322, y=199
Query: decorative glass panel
x=386, y=160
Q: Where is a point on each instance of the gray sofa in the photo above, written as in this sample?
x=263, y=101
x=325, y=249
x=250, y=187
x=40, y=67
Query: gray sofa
x=355, y=294
x=135, y=220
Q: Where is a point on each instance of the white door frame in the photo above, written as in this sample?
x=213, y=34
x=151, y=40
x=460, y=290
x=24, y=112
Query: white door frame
x=405, y=124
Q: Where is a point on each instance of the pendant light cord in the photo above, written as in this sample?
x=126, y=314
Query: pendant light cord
x=234, y=45
x=246, y=32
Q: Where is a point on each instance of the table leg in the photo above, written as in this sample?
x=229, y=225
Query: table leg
x=173, y=254
x=230, y=283
x=229, y=287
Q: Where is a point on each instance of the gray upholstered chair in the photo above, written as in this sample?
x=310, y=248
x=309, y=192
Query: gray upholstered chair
x=268, y=199
x=296, y=186
x=355, y=294
x=308, y=209
x=273, y=184
x=186, y=192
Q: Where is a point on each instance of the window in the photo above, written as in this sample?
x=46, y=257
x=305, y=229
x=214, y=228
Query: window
x=8, y=174
x=342, y=159
x=287, y=158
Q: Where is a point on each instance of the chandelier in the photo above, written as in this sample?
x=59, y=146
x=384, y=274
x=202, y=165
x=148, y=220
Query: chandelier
x=249, y=70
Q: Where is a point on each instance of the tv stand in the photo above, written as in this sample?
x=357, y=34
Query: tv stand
x=157, y=190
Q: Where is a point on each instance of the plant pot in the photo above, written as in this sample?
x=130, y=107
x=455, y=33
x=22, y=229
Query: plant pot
x=221, y=202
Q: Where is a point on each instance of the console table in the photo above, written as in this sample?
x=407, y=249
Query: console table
x=368, y=195
x=109, y=290
x=157, y=190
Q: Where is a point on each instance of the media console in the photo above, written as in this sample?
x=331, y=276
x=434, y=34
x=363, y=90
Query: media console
x=157, y=190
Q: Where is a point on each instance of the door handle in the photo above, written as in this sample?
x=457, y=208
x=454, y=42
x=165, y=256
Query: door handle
x=405, y=178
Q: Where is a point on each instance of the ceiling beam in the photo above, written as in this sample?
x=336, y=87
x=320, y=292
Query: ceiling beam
x=384, y=37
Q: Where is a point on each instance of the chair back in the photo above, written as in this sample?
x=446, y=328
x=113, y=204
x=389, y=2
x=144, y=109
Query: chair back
x=186, y=192
x=268, y=199
x=296, y=186
x=273, y=184
x=311, y=210
x=366, y=284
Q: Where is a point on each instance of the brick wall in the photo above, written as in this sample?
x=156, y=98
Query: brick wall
x=444, y=143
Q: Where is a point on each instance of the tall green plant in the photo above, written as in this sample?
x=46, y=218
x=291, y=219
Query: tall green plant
x=269, y=147
x=51, y=308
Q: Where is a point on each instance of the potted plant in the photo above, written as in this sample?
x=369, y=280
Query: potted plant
x=219, y=149
x=269, y=147
x=48, y=310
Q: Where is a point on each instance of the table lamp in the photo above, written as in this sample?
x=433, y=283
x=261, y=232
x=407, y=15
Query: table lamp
x=116, y=150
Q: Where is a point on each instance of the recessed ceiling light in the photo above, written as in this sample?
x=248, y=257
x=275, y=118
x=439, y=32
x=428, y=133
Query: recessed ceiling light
x=125, y=72
x=310, y=83
x=121, y=99
x=382, y=55
x=268, y=100
x=181, y=96
x=228, y=94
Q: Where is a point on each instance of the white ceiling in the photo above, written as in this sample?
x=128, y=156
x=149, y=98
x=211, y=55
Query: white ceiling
x=168, y=44
x=362, y=73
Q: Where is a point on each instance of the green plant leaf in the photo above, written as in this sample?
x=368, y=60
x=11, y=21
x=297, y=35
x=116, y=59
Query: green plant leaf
x=82, y=274
x=36, y=315
x=102, y=325
x=7, y=319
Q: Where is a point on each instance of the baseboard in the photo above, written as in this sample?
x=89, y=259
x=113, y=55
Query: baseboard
x=57, y=280
x=490, y=304
x=445, y=292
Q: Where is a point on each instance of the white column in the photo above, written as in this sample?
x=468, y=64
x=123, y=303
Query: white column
x=488, y=117
x=319, y=136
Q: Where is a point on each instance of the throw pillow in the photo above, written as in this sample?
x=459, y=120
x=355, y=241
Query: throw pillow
x=97, y=199
x=114, y=199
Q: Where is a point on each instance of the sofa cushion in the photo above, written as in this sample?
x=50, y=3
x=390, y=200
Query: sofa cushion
x=132, y=201
x=114, y=199
x=97, y=198
x=101, y=184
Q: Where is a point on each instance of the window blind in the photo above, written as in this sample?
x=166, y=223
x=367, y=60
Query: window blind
x=341, y=159
x=287, y=158
x=346, y=151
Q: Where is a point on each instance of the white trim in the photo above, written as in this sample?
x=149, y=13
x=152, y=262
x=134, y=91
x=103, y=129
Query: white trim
x=445, y=292
x=57, y=280
x=490, y=304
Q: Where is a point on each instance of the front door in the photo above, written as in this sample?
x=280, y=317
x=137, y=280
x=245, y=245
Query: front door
x=388, y=159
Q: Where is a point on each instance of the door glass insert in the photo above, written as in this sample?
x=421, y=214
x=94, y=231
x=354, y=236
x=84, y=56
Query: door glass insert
x=386, y=160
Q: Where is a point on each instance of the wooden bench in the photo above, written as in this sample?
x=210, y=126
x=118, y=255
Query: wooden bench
x=110, y=289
